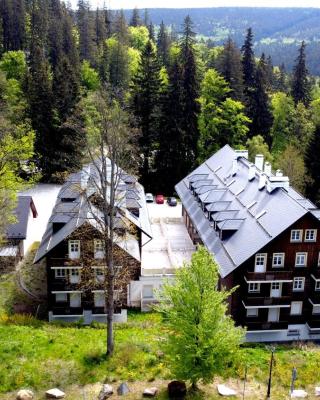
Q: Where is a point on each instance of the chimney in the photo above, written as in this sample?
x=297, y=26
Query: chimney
x=259, y=161
x=267, y=168
x=262, y=181
x=252, y=172
x=242, y=153
x=234, y=166
x=279, y=172
x=275, y=182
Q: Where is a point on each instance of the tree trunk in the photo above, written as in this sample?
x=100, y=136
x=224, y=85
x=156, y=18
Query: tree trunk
x=110, y=309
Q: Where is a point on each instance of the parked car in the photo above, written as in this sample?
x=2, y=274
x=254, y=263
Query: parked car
x=149, y=197
x=159, y=199
x=172, y=201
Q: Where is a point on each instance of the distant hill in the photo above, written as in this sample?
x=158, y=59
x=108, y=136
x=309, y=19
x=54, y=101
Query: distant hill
x=278, y=31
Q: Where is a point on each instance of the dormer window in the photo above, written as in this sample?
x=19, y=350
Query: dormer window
x=296, y=235
x=310, y=235
x=74, y=249
x=98, y=248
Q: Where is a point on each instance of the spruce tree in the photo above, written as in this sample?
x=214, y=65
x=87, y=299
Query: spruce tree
x=312, y=163
x=301, y=88
x=13, y=15
x=230, y=67
x=146, y=86
x=100, y=28
x=135, y=18
x=163, y=45
x=248, y=63
x=120, y=28
x=87, y=44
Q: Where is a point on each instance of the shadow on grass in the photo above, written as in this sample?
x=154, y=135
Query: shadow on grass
x=94, y=358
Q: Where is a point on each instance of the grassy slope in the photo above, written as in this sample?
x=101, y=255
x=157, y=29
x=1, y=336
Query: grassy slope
x=41, y=355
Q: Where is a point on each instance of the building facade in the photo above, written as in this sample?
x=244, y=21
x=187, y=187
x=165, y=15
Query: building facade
x=73, y=246
x=265, y=237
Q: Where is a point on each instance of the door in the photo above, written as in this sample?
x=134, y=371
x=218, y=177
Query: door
x=260, y=263
x=275, y=289
x=273, y=314
x=75, y=300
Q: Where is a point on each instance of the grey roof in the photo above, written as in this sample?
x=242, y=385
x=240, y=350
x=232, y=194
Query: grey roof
x=75, y=207
x=256, y=216
x=18, y=230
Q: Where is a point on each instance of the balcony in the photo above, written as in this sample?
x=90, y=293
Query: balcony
x=268, y=301
x=315, y=297
x=269, y=276
x=67, y=310
x=260, y=326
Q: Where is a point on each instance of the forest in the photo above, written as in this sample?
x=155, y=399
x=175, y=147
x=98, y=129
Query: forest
x=183, y=96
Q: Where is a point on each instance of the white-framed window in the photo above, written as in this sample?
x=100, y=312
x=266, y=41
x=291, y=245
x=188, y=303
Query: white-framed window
x=60, y=273
x=253, y=287
x=147, y=292
x=316, y=309
x=252, y=312
x=99, y=275
x=61, y=297
x=74, y=275
x=75, y=299
x=278, y=260
x=276, y=289
x=98, y=246
x=301, y=259
x=296, y=308
x=99, y=299
x=298, y=284
x=319, y=259
x=310, y=235
x=260, y=262
x=74, y=249
x=296, y=235
x=317, y=286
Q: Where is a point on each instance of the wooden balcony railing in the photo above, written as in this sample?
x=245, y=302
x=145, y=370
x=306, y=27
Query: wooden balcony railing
x=256, y=326
x=267, y=301
x=269, y=276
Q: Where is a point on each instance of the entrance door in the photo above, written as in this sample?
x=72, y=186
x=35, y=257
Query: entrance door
x=273, y=314
x=275, y=289
x=260, y=263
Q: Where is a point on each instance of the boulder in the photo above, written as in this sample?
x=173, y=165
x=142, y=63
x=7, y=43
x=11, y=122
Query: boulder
x=317, y=391
x=123, y=389
x=177, y=390
x=55, y=394
x=150, y=392
x=299, y=394
x=105, y=392
x=224, y=390
x=25, y=394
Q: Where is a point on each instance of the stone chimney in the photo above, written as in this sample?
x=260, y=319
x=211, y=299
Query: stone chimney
x=234, y=167
x=251, y=172
x=262, y=181
x=259, y=161
x=279, y=172
x=275, y=182
x=242, y=153
x=267, y=168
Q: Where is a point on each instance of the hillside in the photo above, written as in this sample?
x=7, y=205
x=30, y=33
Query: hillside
x=278, y=31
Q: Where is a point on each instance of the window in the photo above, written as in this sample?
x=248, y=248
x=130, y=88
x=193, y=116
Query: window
x=275, y=285
x=99, y=275
x=61, y=297
x=317, y=286
x=74, y=276
x=310, y=235
x=252, y=312
x=147, y=292
x=296, y=308
x=254, y=287
x=298, y=284
x=74, y=249
x=278, y=260
x=75, y=299
x=99, y=299
x=276, y=289
x=98, y=248
x=60, y=273
x=296, y=235
x=316, y=309
x=260, y=262
x=301, y=259
x=319, y=259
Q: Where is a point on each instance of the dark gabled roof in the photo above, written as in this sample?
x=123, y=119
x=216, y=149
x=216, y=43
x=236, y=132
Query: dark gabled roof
x=75, y=205
x=18, y=230
x=256, y=216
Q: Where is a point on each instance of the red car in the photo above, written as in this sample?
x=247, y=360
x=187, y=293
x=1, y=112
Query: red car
x=159, y=199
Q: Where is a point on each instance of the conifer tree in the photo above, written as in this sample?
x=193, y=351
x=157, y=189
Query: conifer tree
x=146, y=87
x=301, y=89
x=230, y=67
x=121, y=28
x=135, y=18
x=13, y=15
x=87, y=45
x=163, y=45
x=100, y=28
x=312, y=163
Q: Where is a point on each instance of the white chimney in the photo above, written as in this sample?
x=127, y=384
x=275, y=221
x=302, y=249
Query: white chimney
x=242, y=153
x=234, y=167
x=252, y=172
x=275, y=182
x=279, y=172
x=262, y=181
x=267, y=168
x=259, y=161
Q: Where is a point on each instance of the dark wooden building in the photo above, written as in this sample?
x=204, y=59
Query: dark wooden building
x=264, y=236
x=73, y=247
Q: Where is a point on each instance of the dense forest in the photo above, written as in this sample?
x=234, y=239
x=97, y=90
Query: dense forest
x=183, y=96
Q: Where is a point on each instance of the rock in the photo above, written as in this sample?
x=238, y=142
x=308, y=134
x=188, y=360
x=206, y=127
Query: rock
x=150, y=392
x=299, y=394
x=177, y=390
x=25, y=394
x=123, y=389
x=55, y=394
x=224, y=390
x=317, y=391
x=105, y=392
